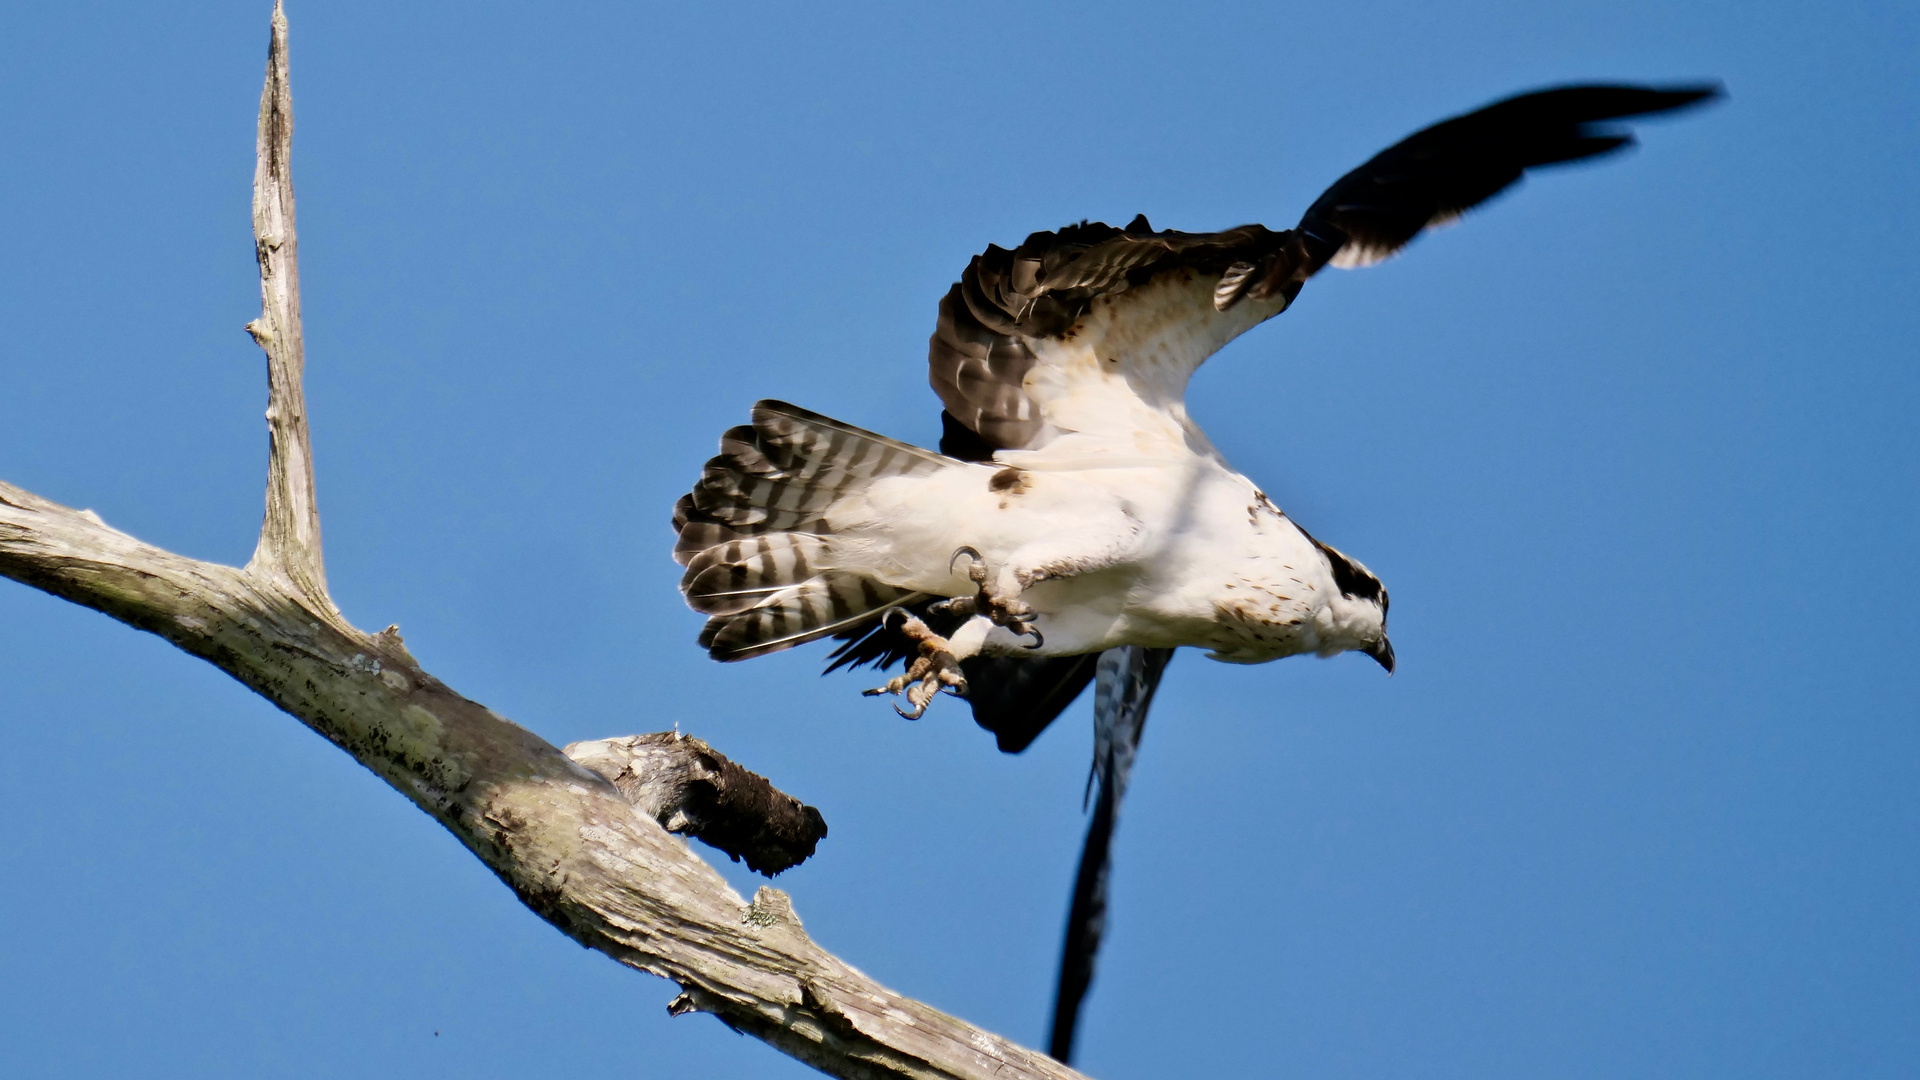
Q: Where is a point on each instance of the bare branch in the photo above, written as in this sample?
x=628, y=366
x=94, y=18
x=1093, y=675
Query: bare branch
x=564, y=838
x=289, y=550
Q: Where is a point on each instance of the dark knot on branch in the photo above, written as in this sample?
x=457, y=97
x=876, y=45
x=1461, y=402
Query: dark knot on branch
x=693, y=789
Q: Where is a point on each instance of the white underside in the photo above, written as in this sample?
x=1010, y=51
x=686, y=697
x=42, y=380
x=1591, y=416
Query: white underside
x=1142, y=533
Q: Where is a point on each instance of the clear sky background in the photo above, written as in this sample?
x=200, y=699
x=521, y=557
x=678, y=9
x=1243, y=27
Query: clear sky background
x=1634, y=449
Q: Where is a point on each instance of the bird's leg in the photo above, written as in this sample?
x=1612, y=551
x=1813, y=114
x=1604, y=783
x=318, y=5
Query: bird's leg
x=936, y=668
x=994, y=601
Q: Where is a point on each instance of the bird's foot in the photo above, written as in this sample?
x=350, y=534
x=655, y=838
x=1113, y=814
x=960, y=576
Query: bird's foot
x=934, y=670
x=1003, y=608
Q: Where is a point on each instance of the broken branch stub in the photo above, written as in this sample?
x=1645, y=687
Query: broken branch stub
x=693, y=789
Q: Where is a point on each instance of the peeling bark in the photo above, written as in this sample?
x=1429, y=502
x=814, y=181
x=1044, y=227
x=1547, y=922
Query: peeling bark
x=564, y=837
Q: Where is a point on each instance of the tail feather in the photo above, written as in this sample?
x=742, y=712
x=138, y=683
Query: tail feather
x=755, y=541
x=823, y=605
x=696, y=536
x=729, y=578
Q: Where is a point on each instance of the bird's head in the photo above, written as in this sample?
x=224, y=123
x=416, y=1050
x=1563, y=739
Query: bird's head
x=1360, y=611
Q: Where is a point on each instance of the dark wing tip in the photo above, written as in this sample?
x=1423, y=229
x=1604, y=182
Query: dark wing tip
x=1648, y=100
x=1685, y=94
x=1439, y=172
x=1608, y=101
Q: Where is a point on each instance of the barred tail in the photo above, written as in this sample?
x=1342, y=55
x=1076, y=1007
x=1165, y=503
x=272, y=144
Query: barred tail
x=754, y=539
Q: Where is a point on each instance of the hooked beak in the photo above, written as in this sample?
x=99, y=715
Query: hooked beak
x=1382, y=653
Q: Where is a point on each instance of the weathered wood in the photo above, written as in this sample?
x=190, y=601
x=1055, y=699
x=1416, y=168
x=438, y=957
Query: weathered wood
x=289, y=548
x=692, y=789
x=563, y=837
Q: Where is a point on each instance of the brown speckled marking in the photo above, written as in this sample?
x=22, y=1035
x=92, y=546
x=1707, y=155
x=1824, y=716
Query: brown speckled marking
x=1261, y=505
x=1008, y=481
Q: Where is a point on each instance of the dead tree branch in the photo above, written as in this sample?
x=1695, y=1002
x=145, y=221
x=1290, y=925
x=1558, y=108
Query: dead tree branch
x=562, y=836
x=289, y=549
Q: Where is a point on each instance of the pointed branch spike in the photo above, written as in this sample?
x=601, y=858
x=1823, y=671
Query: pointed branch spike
x=289, y=551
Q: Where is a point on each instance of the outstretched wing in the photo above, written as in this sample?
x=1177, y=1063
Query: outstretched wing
x=1124, y=689
x=1030, y=341
x=1435, y=175
x=1094, y=330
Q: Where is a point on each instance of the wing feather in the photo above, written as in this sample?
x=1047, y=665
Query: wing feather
x=1018, y=316
x=1439, y=173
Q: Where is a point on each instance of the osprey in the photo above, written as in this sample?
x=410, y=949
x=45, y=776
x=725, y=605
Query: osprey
x=1077, y=524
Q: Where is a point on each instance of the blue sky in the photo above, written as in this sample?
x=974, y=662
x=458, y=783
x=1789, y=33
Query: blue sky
x=1633, y=448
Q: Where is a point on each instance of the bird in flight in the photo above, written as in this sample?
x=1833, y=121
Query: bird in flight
x=1077, y=526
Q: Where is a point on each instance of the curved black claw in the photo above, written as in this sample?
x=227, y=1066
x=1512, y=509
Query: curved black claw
x=1039, y=639
x=953, y=605
x=959, y=551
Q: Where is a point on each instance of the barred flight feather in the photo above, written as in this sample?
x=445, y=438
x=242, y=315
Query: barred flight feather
x=754, y=537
